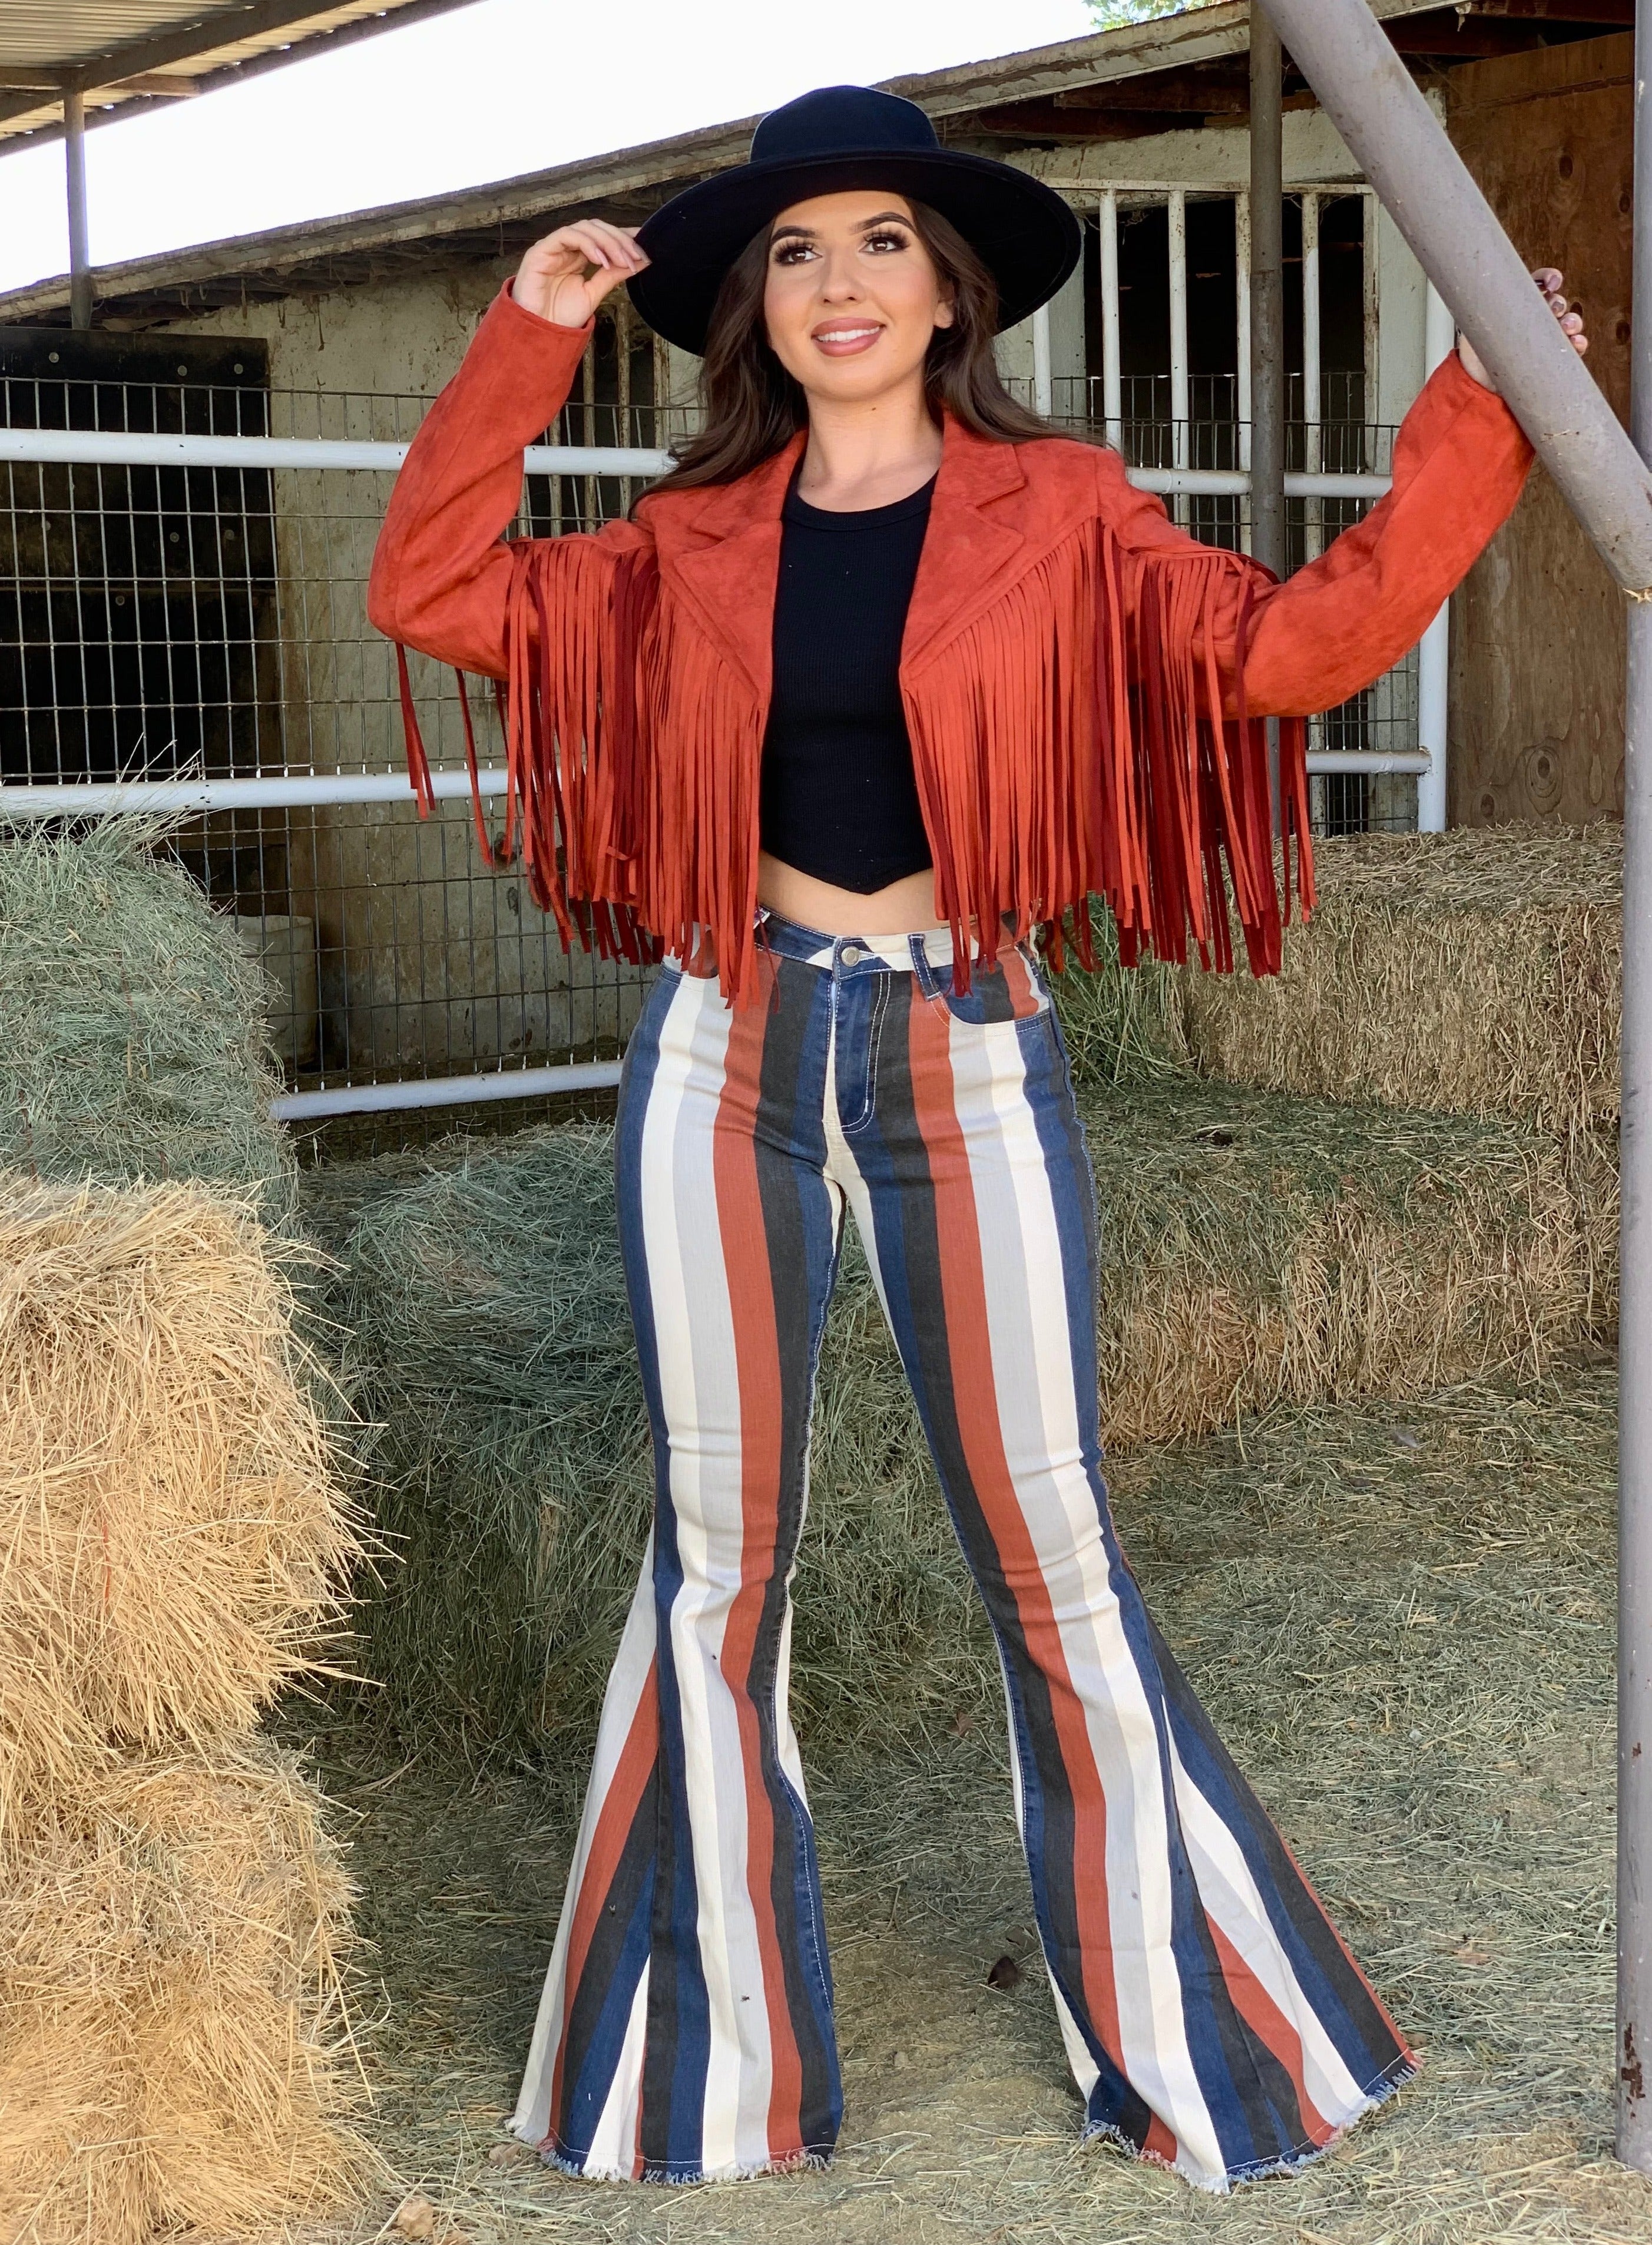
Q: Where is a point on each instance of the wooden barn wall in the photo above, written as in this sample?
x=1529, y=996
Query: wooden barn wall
x=1537, y=667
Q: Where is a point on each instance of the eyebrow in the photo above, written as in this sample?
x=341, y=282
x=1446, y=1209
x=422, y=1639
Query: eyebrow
x=807, y=233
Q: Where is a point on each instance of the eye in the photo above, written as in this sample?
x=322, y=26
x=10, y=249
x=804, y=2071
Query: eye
x=887, y=237
x=793, y=252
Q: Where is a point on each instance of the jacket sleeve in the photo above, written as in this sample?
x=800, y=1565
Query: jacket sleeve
x=442, y=572
x=1460, y=464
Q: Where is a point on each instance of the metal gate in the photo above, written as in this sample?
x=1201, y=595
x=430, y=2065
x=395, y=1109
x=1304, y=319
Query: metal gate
x=184, y=555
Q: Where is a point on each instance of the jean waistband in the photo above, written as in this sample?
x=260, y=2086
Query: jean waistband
x=846, y=955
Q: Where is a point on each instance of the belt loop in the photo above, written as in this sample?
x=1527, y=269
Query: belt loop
x=921, y=968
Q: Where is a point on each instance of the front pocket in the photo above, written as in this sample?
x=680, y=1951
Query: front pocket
x=1011, y=989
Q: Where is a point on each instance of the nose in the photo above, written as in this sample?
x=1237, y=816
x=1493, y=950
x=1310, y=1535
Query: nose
x=839, y=281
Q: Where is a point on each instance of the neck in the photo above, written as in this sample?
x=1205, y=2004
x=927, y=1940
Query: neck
x=869, y=452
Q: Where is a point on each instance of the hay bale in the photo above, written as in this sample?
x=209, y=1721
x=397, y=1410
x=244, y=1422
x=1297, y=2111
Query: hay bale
x=513, y=1479
x=175, y=2042
x=172, y=1543
x=133, y=1042
x=1254, y=1249
x=1477, y=972
x=1258, y=1250
x=1121, y=1025
x=1473, y=972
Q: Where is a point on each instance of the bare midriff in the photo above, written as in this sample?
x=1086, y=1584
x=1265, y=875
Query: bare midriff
x=905, y=907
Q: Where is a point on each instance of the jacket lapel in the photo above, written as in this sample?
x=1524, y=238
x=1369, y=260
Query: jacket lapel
x=721, y=550
x=968, y=552
x=723, y=555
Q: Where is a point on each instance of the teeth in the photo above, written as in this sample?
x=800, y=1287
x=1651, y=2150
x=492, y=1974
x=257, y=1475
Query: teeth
x=844, y=335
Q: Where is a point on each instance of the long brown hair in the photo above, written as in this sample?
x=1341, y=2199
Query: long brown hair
x=752, y=407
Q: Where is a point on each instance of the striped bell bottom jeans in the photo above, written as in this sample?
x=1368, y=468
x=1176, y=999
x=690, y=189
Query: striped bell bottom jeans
x=1212, y=2018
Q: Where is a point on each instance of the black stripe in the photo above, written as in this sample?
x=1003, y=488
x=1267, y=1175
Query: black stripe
x=1382, y=2044
x=631, y=1874
x=790, y=1155
x=1113, y=2101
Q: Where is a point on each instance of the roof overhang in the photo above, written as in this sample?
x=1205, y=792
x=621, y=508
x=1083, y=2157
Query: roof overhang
x=127, y=55
x=1143, y=78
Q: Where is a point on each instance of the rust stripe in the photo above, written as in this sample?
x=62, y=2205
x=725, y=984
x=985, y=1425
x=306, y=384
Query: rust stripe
x=974, y=1408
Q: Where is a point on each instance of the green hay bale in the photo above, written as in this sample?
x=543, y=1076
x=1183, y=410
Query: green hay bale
x=1254, y=1249
x=1121, y=1025
x=132, y=1024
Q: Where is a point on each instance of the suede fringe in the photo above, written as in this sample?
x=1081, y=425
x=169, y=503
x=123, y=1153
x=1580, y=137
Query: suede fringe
x=1070, y=741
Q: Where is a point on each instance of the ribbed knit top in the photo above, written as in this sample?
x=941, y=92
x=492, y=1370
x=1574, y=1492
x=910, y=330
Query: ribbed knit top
x=839, y=800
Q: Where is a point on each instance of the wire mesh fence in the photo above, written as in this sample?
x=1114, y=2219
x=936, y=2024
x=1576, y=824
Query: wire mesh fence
x=1384, y=718
x=166, y=620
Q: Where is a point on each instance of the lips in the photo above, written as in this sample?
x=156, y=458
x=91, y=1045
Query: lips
x=844, y=339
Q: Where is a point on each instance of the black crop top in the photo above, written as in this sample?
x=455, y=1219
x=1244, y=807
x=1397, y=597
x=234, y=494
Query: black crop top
x=838, y=797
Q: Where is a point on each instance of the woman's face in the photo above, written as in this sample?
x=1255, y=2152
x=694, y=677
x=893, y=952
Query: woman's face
x=852, y=296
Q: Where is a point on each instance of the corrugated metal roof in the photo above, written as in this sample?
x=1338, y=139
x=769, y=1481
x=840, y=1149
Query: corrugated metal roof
x=129, y=50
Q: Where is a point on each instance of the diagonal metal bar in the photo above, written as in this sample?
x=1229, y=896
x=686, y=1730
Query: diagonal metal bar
x=1606, y=477
x=1400, y=145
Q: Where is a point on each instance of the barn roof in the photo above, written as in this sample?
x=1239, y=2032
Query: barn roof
x=1140, y=79
x=127, y=55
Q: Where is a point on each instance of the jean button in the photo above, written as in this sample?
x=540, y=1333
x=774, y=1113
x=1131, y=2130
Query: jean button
x=851, y=954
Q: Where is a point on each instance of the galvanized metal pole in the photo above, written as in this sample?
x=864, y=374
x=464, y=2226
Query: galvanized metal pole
x=1268, y=321
x=1267, y=298
x=1399, y=143
x=1634, y=1332
x=1606, y=473
x=1435, y=653
x=74, y=154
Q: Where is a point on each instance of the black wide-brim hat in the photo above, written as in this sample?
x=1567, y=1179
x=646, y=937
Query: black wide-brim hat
x=851, y=135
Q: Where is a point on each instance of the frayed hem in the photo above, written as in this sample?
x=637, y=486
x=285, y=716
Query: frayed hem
x=679, y=2177
x=1287, y=2163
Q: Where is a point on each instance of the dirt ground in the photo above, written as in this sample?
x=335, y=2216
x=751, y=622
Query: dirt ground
x=1401, y=1619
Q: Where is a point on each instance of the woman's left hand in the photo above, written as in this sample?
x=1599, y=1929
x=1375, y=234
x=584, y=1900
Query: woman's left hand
x=1551, y=280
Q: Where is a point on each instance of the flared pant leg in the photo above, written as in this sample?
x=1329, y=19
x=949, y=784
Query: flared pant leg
x=686, y=2027
x=1212, y=2016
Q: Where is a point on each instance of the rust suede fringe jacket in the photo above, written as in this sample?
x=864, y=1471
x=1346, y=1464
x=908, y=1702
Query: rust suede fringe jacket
x=1084, y=685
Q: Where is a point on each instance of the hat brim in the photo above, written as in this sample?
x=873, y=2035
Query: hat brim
x=1028, y=238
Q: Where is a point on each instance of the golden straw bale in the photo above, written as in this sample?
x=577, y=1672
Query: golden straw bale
x=1474, y=973
x=172, y=1541
x=1258, y=1250
x=174, y=2038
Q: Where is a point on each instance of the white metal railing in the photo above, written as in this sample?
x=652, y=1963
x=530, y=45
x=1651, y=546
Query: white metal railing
x=1108, y=199
x=117, y=448
x=31, y=801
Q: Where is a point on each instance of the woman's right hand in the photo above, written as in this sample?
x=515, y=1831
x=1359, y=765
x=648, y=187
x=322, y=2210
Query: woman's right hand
x=564, y=276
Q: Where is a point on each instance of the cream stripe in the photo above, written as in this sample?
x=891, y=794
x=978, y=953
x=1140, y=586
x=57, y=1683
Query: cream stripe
x=694, y=1328
x=613, y=2142
x=1229, y=1895
x=1033, y=1379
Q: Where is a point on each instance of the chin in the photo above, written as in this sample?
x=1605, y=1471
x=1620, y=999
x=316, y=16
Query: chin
x=855, y=378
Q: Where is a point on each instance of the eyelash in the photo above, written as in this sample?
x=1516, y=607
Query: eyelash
x=789, y=252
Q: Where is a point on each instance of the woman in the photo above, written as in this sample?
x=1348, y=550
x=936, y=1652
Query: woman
x=884, y=676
